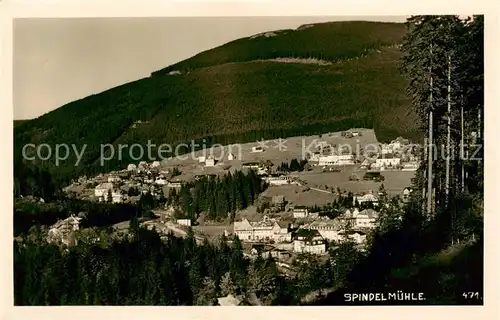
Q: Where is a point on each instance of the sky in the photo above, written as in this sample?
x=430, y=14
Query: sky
x=57, y=61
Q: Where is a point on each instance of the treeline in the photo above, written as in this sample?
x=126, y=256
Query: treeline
x=33, y=181
x=327, y=41
x=294, y=165
x=219, y=198
x=146, y=270
x=142, y=271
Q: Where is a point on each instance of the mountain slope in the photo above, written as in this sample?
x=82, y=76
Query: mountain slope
x=239, y=92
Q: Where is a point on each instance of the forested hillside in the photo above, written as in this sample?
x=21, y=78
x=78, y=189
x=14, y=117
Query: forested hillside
x=233, y=94
x=432, y=243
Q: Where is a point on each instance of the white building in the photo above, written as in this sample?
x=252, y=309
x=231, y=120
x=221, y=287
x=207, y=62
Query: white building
x=387, y=162
x=365, y=219
x=102, y=189
x=369, y=197
x=410, y=166
x=230, y=157
x=328, y=229
x=155, y=164
x=357, y=236
x=113, y=178
x=309, y=241
x=385, y=149
x=314, y=157
x=161, y=181
x=277, y=180
x=251, y=165
x=116, y=197
x=406, y=194
x=333, y=160
x=300, y=212
x=210, y=162
x=63, y=231
x=263, y=231
x=174, y=184
x=184, y=222
x=261, y=171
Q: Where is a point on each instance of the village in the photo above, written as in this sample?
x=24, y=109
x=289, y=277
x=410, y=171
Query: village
x=290, y=217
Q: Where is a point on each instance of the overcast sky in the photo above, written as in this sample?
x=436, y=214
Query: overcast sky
x=57, y=61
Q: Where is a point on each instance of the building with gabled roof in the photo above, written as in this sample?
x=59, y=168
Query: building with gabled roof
x=309, y=241
x=262, y=231
x=102, y=189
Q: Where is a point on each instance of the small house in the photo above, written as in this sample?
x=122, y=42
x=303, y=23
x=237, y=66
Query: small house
x=369, y=197
x=116, y=197
x=406, y=193
x=114, y=178
x=174, y=184
x=388, y=162
x=102, y=189
x=300, y=212
x=309, y=241
x=257, y=149
x=184, y=222
x=210, y=162
x=161, y=181
x=155, y=164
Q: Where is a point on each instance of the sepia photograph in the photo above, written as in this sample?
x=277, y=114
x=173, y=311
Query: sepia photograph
x=248, y=161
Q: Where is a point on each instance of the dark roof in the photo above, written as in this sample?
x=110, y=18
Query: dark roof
x=283, y=224
x=250, y=164
x=372, y=173
x=308, y=233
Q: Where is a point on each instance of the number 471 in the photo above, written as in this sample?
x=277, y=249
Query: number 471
x=471, y=295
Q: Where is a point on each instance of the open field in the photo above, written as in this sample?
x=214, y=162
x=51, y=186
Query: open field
x=212, y=232
x=294, y=148
x=395, y=181
x=290, y=148
x=297, y=196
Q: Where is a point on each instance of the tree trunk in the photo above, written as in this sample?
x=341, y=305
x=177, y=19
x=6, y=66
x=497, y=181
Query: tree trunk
x=430, y=155
x=462, y=160
x=448, y=137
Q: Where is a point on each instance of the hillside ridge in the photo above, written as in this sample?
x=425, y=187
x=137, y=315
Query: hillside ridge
x=262, y=93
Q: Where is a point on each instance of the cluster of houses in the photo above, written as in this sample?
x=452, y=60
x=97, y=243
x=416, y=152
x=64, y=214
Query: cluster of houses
x=353, y=225
x=398, y=154
x=325, y=156
x=312, y=236
x=63, y=231
x=116, y=186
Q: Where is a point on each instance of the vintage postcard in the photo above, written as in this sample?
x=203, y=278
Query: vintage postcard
x=333, y=160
